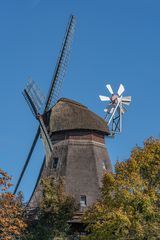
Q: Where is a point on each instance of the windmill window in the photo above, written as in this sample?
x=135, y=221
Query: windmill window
x=104, y=165
x=83, y=201
x=55, y=162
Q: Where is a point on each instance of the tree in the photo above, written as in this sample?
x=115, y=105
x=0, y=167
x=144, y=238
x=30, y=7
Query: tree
x=55, y=210
x=130, y=203
x=11, y=220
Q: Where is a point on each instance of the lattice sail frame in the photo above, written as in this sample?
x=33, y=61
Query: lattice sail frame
x=52, y=96
x=61, y=65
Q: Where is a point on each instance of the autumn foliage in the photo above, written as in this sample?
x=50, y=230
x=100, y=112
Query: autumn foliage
x=11, y=222
x=130, y=204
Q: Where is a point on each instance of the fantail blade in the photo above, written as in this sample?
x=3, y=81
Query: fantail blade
x=120, y=90
x=109, y=110
x=126, y=100
x=104, y=98
x=123, y=110
x=108, y=86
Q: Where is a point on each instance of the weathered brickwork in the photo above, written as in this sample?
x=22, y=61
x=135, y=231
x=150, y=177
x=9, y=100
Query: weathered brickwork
x=79, y=154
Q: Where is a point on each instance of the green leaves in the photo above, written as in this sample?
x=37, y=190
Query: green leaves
x=130, y=203
x=55, y=210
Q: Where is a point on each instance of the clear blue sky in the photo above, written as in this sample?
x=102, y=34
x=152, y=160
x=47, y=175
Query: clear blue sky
x=115, y=42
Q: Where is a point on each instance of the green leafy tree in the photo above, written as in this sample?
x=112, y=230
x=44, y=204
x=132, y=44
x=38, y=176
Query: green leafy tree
x=55, y=210
x=130, y=203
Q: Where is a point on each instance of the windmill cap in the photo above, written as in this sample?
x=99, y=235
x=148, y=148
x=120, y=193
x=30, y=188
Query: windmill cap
x=67, y=114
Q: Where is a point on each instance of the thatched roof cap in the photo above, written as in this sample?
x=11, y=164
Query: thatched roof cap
x=70, y=115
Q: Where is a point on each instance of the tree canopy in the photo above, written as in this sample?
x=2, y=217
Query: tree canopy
x=130, y=203
x=55, y=209
x=11, y=220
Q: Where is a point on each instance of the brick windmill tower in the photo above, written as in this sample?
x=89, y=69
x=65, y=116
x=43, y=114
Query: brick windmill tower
x=73, y=137
x=79, y=153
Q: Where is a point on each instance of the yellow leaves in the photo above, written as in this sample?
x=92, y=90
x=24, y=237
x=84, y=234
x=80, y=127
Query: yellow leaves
x=129, y=208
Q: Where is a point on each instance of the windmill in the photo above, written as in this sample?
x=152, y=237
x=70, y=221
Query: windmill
x=115, y=108
x=36, y=100
x=73, y=137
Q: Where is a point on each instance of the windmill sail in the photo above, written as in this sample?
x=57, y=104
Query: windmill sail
x=27, y=159
x=55, y=86
x=48, y=152
x=61, y=66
